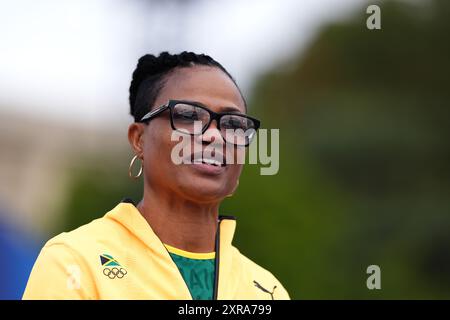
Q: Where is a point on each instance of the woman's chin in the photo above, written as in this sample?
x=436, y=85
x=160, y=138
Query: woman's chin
x=198, y=184
x=205, y=191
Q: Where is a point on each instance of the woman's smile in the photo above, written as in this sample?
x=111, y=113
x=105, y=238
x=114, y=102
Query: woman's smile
x=208, y=165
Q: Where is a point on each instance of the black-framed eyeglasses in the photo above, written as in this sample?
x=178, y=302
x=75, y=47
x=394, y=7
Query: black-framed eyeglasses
x=235, y=128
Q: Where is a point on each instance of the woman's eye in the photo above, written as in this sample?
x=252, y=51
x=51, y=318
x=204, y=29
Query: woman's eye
x=233, y=124
x=188, y=115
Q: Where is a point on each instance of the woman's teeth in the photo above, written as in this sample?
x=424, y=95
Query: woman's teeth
x=209, y=161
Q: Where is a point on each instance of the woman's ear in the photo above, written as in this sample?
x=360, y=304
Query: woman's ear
x=135, y=137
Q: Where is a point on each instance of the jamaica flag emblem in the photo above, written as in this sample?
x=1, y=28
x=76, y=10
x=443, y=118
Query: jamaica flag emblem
x=112, y=268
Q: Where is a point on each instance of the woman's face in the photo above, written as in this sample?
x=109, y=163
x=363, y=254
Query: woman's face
x=196, y=182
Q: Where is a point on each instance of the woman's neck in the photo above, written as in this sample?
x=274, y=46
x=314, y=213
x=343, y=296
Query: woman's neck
x=182, y=224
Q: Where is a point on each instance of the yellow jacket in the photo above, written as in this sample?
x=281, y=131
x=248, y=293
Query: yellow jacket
x=119, y=256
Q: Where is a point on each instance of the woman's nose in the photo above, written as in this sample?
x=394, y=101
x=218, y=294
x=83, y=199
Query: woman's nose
x=212, y=134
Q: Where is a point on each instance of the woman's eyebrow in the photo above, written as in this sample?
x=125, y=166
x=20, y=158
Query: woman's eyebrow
x=222, y=109
x=230, y=109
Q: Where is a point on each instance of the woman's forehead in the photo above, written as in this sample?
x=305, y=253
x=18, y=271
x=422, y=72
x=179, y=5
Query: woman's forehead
x=207, y=85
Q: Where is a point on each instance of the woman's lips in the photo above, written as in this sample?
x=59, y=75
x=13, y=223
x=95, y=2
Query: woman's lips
x=208, y=166
x=199, y=161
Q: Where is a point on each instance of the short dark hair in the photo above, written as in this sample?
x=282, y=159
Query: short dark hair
x=150, y=75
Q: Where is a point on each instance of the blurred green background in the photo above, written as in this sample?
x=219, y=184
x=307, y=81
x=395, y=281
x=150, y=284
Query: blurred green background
x=364, y=162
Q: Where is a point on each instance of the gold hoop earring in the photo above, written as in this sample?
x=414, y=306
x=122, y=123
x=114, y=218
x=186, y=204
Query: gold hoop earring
x=131, y=166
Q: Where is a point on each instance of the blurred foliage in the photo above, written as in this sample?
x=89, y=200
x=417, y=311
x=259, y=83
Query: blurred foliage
x=364, y=162
x=97, y=187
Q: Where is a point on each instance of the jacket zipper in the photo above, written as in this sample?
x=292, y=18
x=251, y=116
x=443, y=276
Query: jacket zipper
x=216, y=262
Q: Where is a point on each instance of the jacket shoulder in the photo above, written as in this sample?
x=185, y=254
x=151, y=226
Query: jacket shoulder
x=98, y=230
x=62, y=269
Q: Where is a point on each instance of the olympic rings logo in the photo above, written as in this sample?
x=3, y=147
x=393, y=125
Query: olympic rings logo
x=115, y=272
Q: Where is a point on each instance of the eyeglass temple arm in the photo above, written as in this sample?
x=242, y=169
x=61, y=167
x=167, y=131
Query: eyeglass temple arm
x=154, y=113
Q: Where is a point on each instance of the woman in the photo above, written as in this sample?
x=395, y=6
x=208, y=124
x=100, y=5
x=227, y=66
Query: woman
x=173, y=244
